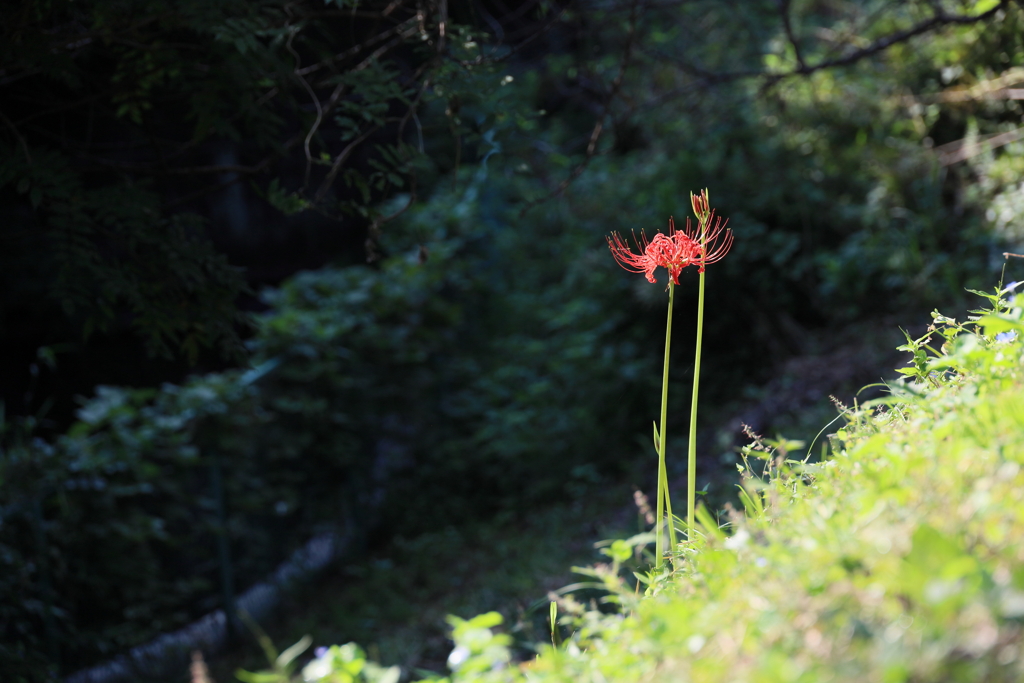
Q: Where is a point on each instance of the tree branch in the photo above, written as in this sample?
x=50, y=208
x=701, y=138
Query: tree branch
x=787, y=24
x=707, y=78
x=17, y=135
x=336, y=166
x=939, y=20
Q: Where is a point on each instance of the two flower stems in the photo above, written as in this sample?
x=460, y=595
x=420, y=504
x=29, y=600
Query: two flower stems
x=664, y=503
x=675, y=251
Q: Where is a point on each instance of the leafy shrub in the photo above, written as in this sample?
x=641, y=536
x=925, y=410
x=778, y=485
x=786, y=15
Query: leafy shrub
x=109, y=536
x=477, y=397
x=420, y=391
x=496, y=358
x=895, y=559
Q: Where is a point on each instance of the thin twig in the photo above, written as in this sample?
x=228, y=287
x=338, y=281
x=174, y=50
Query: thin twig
x=312, y=96
x=961, y=150
x=356, y=49
x=14, y=129
x=787, y=24
x=336, y=166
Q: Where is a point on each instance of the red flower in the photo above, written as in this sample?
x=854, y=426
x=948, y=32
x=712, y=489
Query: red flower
x=715, y=241
x=673, y=251
x=676, y=250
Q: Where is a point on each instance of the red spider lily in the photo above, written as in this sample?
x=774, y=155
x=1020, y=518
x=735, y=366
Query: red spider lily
x=714, y=239
x=679, y=248
x=673, y=251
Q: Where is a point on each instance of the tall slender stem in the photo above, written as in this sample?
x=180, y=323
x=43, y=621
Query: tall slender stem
x=664, y=502
x=691, y=460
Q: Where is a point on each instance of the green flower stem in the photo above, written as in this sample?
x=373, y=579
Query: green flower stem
x=691, y=460
x=664, y=503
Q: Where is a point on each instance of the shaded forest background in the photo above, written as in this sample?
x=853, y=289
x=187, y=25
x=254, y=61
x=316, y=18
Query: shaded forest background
x=270, y=268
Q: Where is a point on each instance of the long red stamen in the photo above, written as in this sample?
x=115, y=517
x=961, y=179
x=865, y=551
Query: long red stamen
x=679, y=248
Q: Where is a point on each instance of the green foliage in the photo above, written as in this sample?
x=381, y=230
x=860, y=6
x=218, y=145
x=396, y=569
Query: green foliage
x=115, y=116
x=346, y=664
x=895, y=559
x=856, y=116
x=840, y=182
x=493, y=356
x=110, y=529
x=430, y=387
x=447, y=355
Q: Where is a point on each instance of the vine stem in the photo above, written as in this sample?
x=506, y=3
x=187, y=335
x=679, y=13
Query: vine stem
x=664, y=503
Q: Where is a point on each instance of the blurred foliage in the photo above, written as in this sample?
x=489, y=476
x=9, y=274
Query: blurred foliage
x=428, y=389
x=469, y=386
x=840, y=181
x=108, y=535
x=481, y=565
x=116, y=116
x=882, y=130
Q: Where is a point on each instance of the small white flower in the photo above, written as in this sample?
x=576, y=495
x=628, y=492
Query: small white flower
x=316, y=669
x=737, y=540
x=459, y=655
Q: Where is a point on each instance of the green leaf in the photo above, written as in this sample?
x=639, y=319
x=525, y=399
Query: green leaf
x=752, y=503
x=289, y=655
x=619, y=551
x=994, y=324
x=487, y=620
x=390, y=674
x=708, y=523
x=556, y=635
x=260, y=676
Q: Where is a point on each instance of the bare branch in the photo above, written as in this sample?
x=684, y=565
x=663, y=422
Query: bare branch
x=336, y=166
x=939, y=20
x=991, y=89
x=17, y=135
x=185, y=170
x=356, y=49
x=238, y=171
x=788, y=26
x=532, y=37
x=312, y=96
x=707, y=78
x=961, y=150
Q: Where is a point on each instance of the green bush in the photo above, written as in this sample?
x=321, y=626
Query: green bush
x=477, y=397
x=896, y=559
x=112, y=530
x=496, y=357
x=426, y=389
